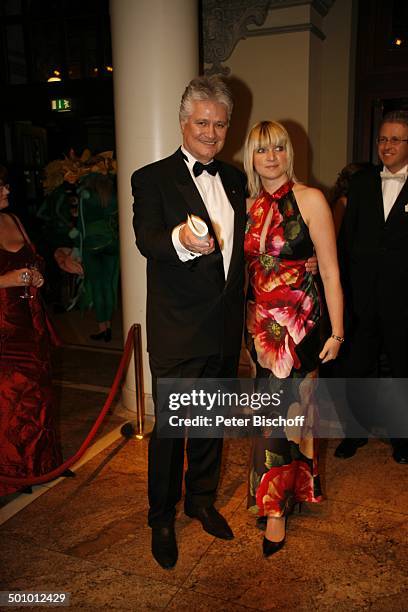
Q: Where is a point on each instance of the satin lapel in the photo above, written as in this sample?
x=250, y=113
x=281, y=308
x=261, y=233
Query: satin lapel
x=234, y=195
x=232, y=190
x=379, y=203
x=400, y=202
x=188, y=190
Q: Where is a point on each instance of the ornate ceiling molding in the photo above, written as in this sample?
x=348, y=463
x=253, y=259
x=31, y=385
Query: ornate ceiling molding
x=226, y=22
x=323, y=6
x=298, y=27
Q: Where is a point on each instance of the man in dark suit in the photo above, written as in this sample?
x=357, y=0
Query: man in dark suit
x=375, y=245
x=195, y=293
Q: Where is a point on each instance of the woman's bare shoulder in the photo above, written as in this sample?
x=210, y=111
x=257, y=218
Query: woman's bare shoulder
x=12, y=224
x=8, y=221
x=6, y=216
x=308, y=195
x=306, y=191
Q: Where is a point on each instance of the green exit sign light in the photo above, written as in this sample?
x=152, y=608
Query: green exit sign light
x=61, y=105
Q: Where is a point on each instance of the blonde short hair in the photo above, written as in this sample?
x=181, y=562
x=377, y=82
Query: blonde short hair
x=264, y=134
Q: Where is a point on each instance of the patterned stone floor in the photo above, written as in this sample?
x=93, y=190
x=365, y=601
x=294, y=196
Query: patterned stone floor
x=88, y=535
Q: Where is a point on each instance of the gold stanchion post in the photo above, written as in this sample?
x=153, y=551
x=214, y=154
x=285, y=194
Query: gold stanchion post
x=128, y=430
x=138, y=361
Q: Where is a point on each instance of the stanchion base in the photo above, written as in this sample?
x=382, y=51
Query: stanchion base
x=128, y=430
x=68, y=474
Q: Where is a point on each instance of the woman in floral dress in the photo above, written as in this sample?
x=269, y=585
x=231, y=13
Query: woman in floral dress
x=287, y=222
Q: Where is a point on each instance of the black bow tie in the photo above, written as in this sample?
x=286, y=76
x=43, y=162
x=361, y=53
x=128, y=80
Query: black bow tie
x=199, y=168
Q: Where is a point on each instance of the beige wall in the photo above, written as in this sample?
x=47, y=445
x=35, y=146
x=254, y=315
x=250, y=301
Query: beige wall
x=274, y=69
x=315, y=127
x=301, y=80
x=337, y=90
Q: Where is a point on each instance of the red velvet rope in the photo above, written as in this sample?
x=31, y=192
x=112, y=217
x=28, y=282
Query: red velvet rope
x=35, y=480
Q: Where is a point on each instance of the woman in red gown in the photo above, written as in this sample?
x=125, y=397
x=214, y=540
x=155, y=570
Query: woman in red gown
x=29, y=444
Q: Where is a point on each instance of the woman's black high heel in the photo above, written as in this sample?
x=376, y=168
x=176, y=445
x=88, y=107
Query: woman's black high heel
x=269, y=548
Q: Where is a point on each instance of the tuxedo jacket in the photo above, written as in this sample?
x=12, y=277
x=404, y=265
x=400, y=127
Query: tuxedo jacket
x=375, y=251
x=192, y=310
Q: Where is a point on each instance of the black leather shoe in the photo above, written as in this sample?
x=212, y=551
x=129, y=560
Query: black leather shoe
x=164, y=546
x=348, y=447
x=103, y=335
x=211, y=520
x=98, y=336
x=400, y=453
x=270, y=548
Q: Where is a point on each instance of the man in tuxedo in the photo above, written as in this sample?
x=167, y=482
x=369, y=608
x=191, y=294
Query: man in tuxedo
x=195, y=297
x=374, y=241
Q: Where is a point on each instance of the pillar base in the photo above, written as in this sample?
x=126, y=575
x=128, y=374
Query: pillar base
x=129, y=401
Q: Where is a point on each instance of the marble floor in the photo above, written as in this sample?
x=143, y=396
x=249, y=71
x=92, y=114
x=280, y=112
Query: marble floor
x=87, y=535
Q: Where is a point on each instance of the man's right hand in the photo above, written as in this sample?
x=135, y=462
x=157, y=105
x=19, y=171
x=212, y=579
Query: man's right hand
x=202, y=246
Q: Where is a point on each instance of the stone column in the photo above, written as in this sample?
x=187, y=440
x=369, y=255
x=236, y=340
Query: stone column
x=155, y=54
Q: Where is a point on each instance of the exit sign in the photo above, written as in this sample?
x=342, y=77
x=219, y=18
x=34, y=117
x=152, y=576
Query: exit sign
x=61, y=105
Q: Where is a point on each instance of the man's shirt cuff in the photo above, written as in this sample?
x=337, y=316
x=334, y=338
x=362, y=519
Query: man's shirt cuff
x=183, y=253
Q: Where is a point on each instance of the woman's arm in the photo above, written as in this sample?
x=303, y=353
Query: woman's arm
x=17, y=278
x=318, y=217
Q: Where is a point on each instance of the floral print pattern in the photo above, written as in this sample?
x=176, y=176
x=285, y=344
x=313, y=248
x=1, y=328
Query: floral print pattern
x=283, y=305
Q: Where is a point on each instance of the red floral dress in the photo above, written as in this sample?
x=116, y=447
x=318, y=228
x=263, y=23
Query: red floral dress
x=29, y=444
x=283, y=305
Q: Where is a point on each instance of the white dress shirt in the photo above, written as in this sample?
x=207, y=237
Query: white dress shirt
x=219, y=210
x=391, y=188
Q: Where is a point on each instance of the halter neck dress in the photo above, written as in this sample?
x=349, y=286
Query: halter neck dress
x=283, y=305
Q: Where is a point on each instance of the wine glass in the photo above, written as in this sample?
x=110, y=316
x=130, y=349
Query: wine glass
x=26, y=277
